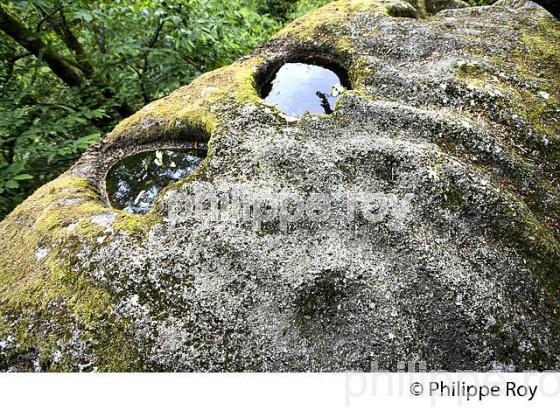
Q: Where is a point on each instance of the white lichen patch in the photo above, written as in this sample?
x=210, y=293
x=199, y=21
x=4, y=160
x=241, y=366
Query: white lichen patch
x=41, y=253
x=105, y=220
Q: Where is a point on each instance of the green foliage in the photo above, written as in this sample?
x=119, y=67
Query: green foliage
x=305, y=6
x=128, y=53
x=277, y=9
x=284, y=11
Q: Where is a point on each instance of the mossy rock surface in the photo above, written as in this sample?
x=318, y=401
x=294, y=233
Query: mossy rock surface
x=454, y=115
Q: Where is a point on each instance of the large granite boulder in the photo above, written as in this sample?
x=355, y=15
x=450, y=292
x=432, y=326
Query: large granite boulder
x=447, y=148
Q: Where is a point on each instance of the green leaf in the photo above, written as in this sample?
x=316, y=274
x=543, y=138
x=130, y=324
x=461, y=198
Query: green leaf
x=11, y=184
x=23, y=177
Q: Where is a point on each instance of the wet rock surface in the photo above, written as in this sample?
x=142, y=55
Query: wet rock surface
x=440, y=242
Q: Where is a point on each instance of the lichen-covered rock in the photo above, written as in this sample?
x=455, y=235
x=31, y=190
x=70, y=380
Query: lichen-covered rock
x=453, y=120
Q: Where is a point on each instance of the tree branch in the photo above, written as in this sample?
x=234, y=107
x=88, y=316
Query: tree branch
x=60, y=66
x=28, y=40
x=101, y=41
x=65, y=33
x=145, y=66
x=62, y=29
x=47, y=15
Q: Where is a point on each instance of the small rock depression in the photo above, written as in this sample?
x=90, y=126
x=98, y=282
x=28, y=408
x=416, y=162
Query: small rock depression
x=304, y=88
x=134, y=182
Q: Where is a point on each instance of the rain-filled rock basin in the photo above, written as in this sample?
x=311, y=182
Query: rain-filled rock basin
x=134, y=182
x=298, y=89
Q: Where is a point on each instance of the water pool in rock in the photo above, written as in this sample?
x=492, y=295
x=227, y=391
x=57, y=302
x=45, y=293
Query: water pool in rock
x=299, y=88
x=134, y=182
